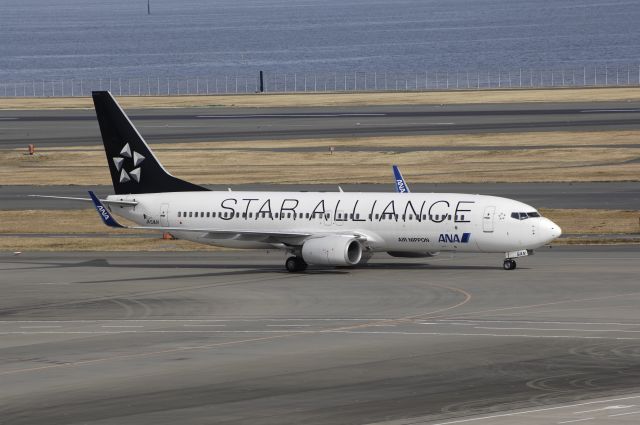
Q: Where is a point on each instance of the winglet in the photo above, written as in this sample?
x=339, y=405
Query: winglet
x=107, y=218
x=401, y=186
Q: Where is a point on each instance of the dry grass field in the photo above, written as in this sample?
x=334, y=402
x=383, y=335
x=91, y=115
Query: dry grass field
x=537, y=157
x=341, y=99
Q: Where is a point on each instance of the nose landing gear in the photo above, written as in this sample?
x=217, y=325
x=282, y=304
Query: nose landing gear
x=295, y=264
x=509, y=264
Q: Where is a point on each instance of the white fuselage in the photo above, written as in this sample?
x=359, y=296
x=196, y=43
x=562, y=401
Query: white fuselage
x=415, y=222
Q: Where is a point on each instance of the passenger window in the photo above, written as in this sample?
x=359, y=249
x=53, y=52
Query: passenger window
x=377, y=216
x=190, y=213
x=213, y=214
x=208, y=214
x=178, y=213
x=461, y=218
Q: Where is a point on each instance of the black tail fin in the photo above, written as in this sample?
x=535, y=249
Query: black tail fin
x=133, y=167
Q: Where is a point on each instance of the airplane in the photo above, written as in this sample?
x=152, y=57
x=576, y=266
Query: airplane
x=315, y=228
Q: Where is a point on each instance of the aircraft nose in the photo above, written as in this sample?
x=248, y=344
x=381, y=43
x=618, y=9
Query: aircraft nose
x=551, y=230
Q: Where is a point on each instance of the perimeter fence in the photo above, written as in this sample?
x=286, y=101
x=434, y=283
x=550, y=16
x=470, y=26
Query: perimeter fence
x=360, y=81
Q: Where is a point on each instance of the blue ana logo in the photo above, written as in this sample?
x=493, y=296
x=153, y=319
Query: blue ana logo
x=104, y=213
x=454, y=238
x=401, y=186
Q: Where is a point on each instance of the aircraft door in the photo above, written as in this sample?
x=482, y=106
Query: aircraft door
x=164, y=214
x=487, y=219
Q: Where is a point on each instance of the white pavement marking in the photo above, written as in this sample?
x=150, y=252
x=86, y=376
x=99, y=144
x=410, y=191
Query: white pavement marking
x=481, y=321
x=288, y=330
x=39, y=327
x=8, y=119
x=554, y=330
x=485, y=334
x=604, y=408
x=288, y=326
x=122, y=326
x=575, y=420
x=257, y=319
x=203, y=325
x=526, y=412
x=625, y=414
x=106, y=332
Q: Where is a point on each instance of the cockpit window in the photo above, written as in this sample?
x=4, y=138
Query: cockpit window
x=524, y=215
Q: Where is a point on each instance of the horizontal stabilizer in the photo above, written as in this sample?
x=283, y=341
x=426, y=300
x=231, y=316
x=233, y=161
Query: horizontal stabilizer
x=104, y=201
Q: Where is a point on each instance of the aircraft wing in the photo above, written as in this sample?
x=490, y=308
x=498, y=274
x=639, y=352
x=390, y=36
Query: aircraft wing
x=401, y=185
x=293, y=238
x=104, y=201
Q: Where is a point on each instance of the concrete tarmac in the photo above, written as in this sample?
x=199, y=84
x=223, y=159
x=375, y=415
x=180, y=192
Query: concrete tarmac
x=75, y=127
x=230, y=338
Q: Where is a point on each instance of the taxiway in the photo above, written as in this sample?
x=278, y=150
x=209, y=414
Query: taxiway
x=231, y=338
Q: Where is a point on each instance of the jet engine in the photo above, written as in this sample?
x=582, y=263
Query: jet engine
x=334, y=250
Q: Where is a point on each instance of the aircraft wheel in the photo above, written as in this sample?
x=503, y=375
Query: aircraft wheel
x=302, y=265
x=509, y=264
x=295, y=264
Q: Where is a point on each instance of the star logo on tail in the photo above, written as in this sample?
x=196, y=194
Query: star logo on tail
x=136, y=173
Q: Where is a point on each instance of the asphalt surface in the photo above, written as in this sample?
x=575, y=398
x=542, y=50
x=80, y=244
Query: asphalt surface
x=230, y=338
x=49, y=128
x=619, y=195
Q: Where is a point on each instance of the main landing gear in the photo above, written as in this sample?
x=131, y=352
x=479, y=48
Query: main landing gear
x=295, y=264
x=509, y=264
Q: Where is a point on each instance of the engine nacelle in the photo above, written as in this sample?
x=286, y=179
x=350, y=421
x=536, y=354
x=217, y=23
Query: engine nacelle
x=410, y=254
x=334, y=250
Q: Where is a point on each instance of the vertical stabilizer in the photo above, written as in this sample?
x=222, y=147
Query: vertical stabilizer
x=133, y=167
